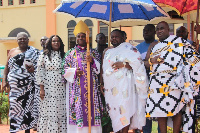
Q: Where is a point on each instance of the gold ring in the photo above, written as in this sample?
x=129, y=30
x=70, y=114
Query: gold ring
x=158, y=60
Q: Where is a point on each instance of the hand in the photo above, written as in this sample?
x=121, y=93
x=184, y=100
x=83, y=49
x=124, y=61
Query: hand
x=118, y=65
x=197, y=28
x=30, y=69
x=157, y=60
x=5, y=85
x=102, y=89
x=79, y=72
x=89, y=59
x=42, y=93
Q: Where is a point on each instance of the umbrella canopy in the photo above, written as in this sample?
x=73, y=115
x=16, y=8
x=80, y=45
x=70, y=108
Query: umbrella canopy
x=121, y=10
x=111, y=10
x=180, y=6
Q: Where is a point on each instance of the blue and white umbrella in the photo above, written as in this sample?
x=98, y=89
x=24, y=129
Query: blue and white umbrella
x=121, y=9
x=112, y=10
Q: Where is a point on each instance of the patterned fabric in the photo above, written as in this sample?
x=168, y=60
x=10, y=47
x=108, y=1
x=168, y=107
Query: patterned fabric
x=174, y=83
x=125, y=90
x=78, y=106
x=53, y=106
x=181, y=6
x=23, y=109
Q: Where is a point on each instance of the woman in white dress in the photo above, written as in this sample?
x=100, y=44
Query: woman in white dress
x=52, y=91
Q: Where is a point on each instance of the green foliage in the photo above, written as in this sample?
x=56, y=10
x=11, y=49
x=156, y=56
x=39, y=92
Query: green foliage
x=197, y=129
x=4, y=106
x=169, y=130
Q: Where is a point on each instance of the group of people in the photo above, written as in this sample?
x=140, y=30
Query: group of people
x=128, y=85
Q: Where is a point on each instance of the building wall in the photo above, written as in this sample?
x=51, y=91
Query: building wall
x=31, y=17
x=39, y=20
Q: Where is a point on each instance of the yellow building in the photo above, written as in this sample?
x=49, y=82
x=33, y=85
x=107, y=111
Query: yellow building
x=36, y=17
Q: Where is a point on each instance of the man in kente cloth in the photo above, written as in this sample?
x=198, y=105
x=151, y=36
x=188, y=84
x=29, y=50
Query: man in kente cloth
x=174, y=81
x=19, y=73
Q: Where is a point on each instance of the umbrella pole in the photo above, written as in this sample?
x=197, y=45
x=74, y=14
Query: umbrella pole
x=188, y=24
x=197, y=25
x=88, y=81
x=109, y=30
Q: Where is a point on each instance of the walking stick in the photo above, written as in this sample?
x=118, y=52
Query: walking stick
x=110, y=19
x=197, y=29
x=88, y=81
x=197, y=26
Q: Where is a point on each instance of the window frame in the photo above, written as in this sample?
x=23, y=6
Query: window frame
x=1, y=2
x=90, y=25
x=103, y=25
x=10, y=4
x=32, y=1
x=70, y=28
x=21, y=1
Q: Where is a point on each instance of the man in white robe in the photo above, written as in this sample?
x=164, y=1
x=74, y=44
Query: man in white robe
x=125, y=83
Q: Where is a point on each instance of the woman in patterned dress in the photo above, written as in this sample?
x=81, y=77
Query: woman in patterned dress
x=52, y=91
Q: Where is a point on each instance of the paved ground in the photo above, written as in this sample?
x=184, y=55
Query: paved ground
x=5, y=129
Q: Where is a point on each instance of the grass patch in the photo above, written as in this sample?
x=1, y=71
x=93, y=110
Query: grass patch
x=154, y=127
x=4, y=121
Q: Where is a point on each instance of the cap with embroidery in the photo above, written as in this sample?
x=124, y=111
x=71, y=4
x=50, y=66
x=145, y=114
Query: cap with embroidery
x=81, y=27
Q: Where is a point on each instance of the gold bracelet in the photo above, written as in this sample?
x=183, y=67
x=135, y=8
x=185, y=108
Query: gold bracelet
x=150, y=63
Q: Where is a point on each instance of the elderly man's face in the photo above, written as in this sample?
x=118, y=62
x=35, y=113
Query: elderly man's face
x=22, y=41
x=116, y=38
x=162, y=31
x=43, y=41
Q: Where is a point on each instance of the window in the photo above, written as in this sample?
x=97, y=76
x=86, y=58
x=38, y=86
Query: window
x=71, y=38
x=14, y=32
x=104, y=29
x=32, y=1
x=10, y=2
x=1, y=2
x=185, y=25
x=89, y=23
x=21, y=2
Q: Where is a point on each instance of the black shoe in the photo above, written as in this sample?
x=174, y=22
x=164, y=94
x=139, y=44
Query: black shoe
x=137, y=131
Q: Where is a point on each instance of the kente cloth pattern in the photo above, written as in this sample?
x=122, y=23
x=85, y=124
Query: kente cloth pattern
x=175, y=82
x=23, y=111
x=78, y=100
x=53, y=107
x=125, y=90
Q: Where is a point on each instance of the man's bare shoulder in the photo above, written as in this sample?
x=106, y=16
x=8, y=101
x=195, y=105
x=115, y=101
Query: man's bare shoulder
x=14, y=52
